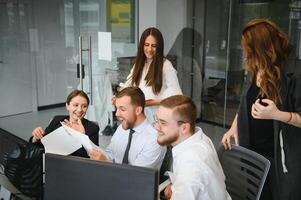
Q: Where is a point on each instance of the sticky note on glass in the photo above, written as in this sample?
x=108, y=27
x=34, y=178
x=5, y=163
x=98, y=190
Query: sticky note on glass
x=104, y=46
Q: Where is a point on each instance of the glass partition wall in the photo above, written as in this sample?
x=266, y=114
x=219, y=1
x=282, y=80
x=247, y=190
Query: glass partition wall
x=39, y=48
x=223, y=65
x=16, y=63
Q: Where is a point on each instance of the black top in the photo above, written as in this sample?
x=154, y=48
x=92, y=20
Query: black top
x=90, y=128
x=261, y=130
x=290, y=182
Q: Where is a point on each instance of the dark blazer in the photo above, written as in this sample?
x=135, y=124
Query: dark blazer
x=290, y=182
x=91, y=131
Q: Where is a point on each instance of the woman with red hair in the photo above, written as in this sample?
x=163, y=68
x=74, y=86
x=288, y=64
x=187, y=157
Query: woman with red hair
x=269, y=117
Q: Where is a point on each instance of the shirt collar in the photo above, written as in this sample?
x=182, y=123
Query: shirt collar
x=141, y=127
x=179, y=148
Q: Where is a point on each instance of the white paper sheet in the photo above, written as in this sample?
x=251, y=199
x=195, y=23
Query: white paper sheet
x=104, y=46
x=60, y=142
x=170, y=180
x=163, y=185
x=82, y=139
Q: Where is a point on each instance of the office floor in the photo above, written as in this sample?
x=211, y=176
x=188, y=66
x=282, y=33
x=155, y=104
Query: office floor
x=22, y=125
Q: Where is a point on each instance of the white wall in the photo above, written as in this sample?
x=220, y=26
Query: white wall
x=169, y=16
x=171, y=19
x=147, y=14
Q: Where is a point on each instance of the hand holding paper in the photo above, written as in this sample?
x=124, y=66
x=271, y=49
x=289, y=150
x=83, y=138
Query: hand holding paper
x=60, y=142
x=66, y=140
x=78, y=126
x=83, y=139
x=98, y=155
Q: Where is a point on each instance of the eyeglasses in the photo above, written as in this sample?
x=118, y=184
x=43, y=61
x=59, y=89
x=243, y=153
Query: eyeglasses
x=164, y=123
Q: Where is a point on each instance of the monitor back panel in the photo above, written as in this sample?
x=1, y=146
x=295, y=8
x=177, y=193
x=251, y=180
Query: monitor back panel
x=75, y=178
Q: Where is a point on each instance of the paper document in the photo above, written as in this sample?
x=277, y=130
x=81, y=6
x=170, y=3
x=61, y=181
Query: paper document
x=104, y=46
x=163, y=185
x=60, y=142
x=171, y=176
x=82, y=139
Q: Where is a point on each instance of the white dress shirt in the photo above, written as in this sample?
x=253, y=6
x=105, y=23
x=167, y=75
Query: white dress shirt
x=170, y=87
x=197, y=173
x=144, y=150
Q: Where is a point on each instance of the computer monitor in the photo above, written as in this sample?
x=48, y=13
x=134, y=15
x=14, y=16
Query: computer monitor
x=68, y=177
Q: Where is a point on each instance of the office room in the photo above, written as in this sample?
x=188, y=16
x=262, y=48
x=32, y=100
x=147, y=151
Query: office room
x=49, y=49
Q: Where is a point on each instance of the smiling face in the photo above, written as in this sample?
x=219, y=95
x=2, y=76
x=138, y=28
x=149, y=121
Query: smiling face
x=77, y=108
x=150, y=46
x=167, y=126
x=127, y=113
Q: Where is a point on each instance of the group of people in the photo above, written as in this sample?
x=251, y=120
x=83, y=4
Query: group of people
x=154, y=114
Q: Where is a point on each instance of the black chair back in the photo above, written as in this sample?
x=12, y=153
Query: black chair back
x=23, y=165
x=245, y=172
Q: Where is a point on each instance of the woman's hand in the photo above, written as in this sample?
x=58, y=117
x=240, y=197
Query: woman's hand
x=37, y=133
x=227, y=138
x=232, y=132
x=77, y=125
x=152, y=102
x=270, y=111
x=260, y=111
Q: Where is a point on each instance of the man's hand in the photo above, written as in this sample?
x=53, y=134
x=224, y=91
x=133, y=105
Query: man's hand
x=168, y=191
x=77, y=125
x=96, y=155
x=37, y=133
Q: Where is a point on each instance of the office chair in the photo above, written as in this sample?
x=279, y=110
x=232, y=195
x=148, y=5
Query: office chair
x=245, y=172
x=23, y=168
x=166, y=165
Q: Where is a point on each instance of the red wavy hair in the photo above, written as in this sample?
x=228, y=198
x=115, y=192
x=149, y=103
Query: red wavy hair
x=265, y=48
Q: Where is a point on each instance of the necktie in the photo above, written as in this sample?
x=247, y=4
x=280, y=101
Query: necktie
x=125, y=159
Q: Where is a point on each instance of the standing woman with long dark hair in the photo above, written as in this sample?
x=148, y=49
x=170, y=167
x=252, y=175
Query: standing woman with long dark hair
x=268, y=121
x=152, y=72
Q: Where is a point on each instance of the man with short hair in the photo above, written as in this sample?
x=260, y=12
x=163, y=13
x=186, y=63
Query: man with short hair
x=135, y=140
x=197, y=173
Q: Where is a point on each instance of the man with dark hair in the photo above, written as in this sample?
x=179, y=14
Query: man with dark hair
x=197, y=173
x=135, y=140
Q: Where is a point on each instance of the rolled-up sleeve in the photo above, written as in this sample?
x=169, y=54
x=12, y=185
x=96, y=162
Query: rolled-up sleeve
x=128, y=81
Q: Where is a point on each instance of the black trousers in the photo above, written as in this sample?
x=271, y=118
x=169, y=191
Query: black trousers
x=270, y=188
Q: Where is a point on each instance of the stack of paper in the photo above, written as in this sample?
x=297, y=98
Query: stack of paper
x=60, y=142
x=65, y=140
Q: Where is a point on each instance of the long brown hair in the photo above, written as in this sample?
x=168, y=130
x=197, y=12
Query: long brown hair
x=155, y=71
x=265, y=48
